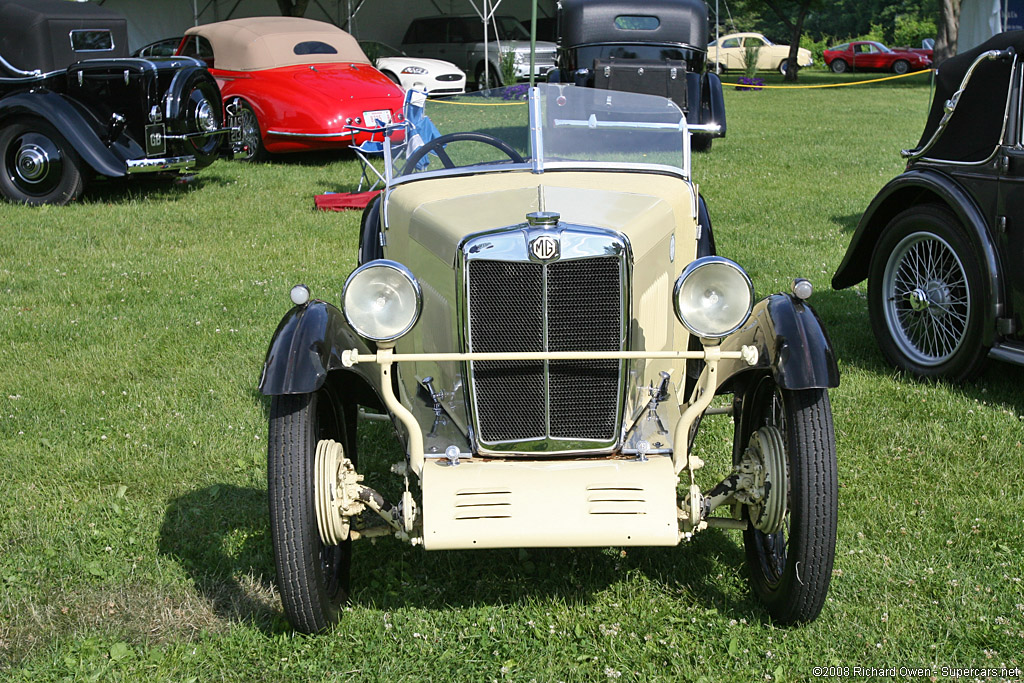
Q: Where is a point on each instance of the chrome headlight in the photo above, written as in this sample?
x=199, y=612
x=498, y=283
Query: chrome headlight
x=713, y=297
x=381, y=300
x=205, y=116
x=417, y=70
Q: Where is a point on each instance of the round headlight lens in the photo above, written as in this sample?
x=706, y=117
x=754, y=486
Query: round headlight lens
x=382, y=300
x=205, y=115
x=713, y=297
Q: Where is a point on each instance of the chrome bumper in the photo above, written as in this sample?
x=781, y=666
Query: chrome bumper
x=184, y=163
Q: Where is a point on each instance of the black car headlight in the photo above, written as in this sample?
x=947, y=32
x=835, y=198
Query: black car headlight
x=382, y=300
x=713, y=297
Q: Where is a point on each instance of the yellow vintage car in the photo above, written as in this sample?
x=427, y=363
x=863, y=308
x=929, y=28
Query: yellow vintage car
x=539, y=311
x=728, y=53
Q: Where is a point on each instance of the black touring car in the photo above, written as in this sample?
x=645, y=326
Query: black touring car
x=74, y=105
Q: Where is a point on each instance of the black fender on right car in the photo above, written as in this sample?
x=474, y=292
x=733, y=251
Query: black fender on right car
x=940, y=244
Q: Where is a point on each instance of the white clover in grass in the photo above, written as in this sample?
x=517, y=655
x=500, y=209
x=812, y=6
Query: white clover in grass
x=612, y=673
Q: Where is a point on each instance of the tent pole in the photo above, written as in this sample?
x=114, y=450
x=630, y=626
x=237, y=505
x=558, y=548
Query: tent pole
x=533, y=39
x=716, y=37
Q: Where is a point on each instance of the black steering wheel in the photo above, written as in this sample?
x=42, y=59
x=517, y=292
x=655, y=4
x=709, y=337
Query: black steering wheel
x=437, y=147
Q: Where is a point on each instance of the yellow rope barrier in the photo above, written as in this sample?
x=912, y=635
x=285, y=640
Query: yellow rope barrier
x=828, y=85
x=738, y=85
x=480, y=104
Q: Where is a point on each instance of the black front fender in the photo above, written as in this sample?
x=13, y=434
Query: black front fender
x=80, y=132
x=918, y=186
x=791, y=343
x=306, y=346
x=711, y=91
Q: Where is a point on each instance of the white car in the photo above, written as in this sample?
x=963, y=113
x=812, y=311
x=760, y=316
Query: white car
x=729, y=53
x=433, y=76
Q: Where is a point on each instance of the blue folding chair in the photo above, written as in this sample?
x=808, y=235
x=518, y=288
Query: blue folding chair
x=419, y=130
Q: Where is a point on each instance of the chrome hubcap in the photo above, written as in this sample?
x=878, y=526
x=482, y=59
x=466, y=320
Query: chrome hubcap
x=32, y=163
x=928, y=301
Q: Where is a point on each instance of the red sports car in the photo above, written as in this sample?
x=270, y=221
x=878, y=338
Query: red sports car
x=295, y=84
x=867, y=54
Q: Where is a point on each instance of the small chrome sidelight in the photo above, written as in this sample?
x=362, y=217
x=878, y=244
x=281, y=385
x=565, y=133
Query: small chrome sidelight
x=299, y=295
x=802, y=288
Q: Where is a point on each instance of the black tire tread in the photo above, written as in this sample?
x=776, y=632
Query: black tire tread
x=813, y=508
x=292, y=515
x=814, y=488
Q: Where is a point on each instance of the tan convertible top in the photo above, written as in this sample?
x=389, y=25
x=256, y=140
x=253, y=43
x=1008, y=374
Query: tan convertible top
x=257, y=43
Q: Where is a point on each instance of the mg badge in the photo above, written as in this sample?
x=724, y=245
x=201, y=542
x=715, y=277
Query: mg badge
x=544, y=247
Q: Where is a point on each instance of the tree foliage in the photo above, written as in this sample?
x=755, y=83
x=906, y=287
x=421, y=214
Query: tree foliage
x=897, y=21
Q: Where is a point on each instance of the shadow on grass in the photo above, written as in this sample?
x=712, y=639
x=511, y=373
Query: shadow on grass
x=118, y=191
x=220, y=535
x=847, y=223
x=844, y=314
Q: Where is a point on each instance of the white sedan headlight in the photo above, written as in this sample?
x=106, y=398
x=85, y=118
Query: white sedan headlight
x=713, y=297
x=382, y=300
x=418, y=70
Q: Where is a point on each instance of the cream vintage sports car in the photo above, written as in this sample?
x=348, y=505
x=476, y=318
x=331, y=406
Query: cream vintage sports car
x=543, y=319
x=729, y=52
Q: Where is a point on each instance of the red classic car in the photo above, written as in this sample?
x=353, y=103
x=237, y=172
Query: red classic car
x=295, y=84
x=867, y=54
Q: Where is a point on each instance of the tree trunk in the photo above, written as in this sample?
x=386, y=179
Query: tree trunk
x=949, y=27
x=293, y=8
x=795, y=30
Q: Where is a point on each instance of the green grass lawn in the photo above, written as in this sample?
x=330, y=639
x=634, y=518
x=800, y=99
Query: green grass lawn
x=134, y=536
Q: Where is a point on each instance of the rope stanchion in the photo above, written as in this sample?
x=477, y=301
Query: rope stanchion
x=826, y=85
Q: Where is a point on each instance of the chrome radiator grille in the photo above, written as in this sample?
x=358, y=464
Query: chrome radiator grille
x=571, y=305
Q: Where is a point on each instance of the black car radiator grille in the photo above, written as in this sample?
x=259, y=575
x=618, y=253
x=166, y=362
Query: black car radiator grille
x=581, y=302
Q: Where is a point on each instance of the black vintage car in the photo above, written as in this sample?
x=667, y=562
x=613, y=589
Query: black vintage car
x=657, y=47
x=941, y=244
x=73, y=104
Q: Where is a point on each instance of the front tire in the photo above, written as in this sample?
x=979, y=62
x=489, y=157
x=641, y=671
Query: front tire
x=924, y=296
x=900, y=67
x=39, y=166
x=839, y=66
x=313, y=578
x=791, y=569
x=784, y=66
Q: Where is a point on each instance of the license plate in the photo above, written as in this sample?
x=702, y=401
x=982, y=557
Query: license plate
x=378, y=117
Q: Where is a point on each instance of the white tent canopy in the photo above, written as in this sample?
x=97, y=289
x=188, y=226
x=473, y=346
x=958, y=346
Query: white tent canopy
x=383, y=20
x=979, y=21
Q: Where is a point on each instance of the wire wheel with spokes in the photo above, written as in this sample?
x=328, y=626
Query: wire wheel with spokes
x=791, y=563
x=923, y=295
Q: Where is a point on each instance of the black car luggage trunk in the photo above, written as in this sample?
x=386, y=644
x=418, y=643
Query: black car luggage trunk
x=666, y=78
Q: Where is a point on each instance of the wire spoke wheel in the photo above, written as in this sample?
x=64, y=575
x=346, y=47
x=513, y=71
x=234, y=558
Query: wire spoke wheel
x=251, y=136
x=923, y=292
x=928, y=302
